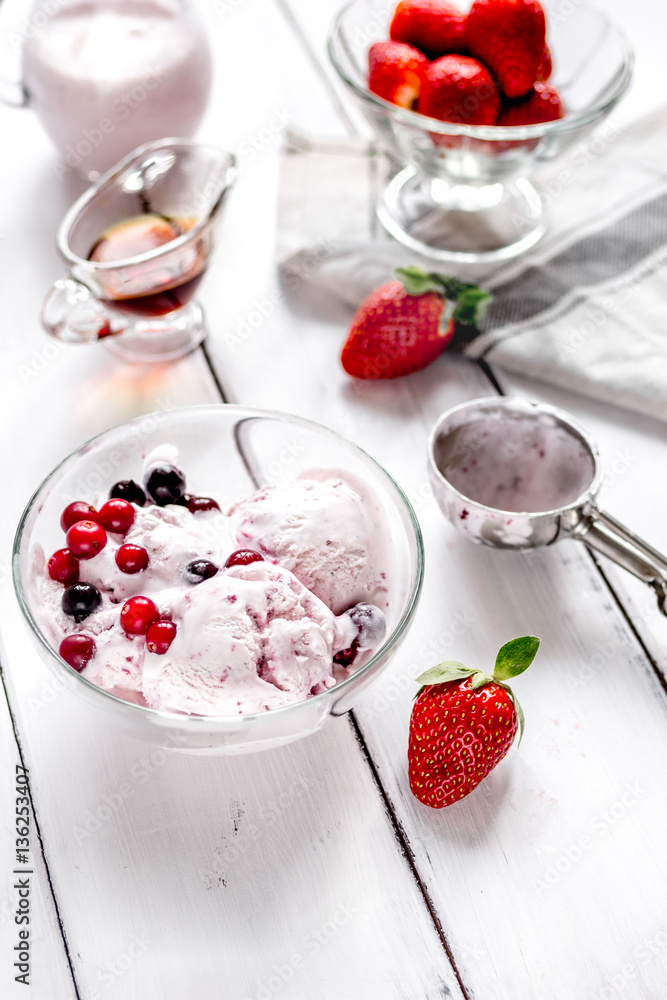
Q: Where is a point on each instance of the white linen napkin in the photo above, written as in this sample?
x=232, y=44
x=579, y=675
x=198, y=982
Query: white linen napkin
x=585, y=309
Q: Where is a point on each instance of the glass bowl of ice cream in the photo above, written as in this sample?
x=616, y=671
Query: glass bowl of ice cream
x=218, y=579
x=465, y=130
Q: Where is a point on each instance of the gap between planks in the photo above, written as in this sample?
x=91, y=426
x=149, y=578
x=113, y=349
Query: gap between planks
x=404, y=844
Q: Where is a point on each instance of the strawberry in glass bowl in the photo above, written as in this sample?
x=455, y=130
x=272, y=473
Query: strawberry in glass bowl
x=471, y=102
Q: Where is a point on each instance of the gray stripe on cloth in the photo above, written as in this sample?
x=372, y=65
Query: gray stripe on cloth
x=600, y=257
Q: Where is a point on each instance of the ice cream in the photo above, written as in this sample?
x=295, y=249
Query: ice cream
x=329, y=531
x=253, y=638
x=515, y=462
x=163, y=599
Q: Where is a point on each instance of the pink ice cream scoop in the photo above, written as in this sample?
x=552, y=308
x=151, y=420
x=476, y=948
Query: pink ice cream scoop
x=252, y=638
x=328, y=530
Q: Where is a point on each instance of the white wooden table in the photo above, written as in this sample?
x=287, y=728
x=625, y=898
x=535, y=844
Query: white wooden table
x=311, y=871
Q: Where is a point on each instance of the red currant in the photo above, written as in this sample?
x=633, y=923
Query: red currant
x=160, y=636
x=86, y=538
x=116, y=515
x=64, y=567
x=77, y=650
x=77, y=511
x=131, y=559
x=243, y=557
x=197, y=505
x=137, y=615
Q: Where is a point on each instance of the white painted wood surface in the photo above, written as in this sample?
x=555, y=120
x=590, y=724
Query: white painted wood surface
x=312, y=871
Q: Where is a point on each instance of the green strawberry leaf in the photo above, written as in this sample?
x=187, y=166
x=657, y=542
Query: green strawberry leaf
x=479, y=679
x=515, y=657
x=452, y=288
x=450, y=670
x=472, y=306
x=417, y=281
x=520, y=716
x=470, y=303
x=518, y=709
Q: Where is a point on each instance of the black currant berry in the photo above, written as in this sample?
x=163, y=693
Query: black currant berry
x=165, y=484
x=80, y=600
x=199, y=570
x=128, y=490
x=370, y=623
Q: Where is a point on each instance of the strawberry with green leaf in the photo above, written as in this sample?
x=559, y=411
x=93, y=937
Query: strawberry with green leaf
x=404, y=325
x=463, y=723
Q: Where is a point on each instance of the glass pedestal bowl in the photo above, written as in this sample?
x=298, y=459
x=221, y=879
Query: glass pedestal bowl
x=227, y=452
x=464, y=193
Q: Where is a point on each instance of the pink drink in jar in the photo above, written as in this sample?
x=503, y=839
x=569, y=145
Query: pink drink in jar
x=105, y=76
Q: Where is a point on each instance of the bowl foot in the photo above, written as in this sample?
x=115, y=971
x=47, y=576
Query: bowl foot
x=161, y=339
x=461, y=222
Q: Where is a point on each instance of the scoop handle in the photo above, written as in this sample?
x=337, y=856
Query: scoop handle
x=603, y=533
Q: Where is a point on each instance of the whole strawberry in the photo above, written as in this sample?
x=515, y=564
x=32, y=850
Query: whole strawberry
x=404, y=325
x=432, y=26
x=510, y=37
x=395, y=72
x=542, y=104
x=459, y=89
x=463, y=723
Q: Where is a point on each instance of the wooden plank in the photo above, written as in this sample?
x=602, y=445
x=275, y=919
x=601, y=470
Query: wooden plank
x=26, y=901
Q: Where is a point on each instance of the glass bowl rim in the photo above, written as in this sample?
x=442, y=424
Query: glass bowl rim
x=62, y=236
x=498, y=133
x=223, y=721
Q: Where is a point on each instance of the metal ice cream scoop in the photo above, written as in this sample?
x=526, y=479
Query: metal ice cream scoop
x=518, y=474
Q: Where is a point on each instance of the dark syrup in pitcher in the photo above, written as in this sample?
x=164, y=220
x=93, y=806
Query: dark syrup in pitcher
x=163, y=289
